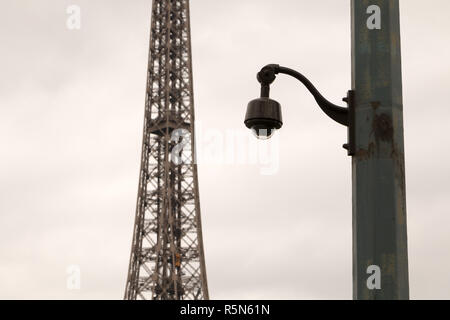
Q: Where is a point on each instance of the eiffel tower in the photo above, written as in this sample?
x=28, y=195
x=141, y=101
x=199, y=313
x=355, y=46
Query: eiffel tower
x=167, y=259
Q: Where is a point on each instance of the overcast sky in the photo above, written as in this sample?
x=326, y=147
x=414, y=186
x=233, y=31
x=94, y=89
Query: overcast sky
x=71, y=113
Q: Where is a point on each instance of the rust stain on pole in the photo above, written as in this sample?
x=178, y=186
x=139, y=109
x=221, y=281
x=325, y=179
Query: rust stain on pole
x=382, y=127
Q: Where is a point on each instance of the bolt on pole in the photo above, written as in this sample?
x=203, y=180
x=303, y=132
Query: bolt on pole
x=380, y=255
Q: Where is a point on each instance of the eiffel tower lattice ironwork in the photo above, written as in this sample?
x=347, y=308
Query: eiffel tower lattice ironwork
x=167, y=258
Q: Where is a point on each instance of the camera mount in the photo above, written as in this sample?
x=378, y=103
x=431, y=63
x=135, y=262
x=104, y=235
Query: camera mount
x=265, y=113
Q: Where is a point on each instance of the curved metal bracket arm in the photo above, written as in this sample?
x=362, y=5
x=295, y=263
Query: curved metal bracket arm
x=344, y=116
x=267, y=75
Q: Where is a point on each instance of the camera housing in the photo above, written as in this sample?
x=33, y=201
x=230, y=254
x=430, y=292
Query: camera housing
x=263, y=117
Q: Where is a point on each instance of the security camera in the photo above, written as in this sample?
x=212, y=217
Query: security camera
x=263, y=117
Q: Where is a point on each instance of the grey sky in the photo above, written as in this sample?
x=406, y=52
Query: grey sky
x=71, y=112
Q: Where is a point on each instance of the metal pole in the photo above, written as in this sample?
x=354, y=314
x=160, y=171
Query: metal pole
x=380, y=257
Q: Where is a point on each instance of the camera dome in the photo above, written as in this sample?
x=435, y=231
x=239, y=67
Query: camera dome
x=263, y=117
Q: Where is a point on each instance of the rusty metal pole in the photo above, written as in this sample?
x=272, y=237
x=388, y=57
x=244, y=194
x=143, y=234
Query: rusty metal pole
x=380, y=257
